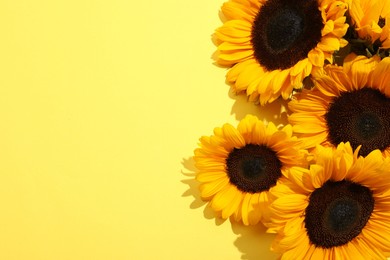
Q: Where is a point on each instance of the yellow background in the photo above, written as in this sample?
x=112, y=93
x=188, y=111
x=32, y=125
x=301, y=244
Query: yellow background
x=101, y=106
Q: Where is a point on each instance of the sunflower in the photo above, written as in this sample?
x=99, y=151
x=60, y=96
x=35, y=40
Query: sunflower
x=337, y=209
x=238, y=166
x=371, y=20
x=348, y=104
x=272, y=45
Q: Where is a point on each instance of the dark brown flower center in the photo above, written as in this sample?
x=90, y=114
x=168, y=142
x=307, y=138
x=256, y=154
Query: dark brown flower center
x=284, y=31
x=361, y=117
x=253, y=168
x=381, y=22
x=337, y=213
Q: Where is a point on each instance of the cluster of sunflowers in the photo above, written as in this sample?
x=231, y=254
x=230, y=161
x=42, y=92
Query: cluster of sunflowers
x=321, y=182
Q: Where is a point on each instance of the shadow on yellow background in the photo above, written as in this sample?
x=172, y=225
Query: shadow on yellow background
x=99, y=101
x=275, y=112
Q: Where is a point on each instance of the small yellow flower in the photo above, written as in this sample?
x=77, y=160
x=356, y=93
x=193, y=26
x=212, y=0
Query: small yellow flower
x=238, y=166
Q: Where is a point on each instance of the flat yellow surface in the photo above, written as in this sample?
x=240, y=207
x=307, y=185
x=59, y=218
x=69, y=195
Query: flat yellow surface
x=101, y=105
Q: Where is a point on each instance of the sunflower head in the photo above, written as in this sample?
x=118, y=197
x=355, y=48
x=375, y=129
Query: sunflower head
x=238, y=166
x=348, y=104
x=272, y=45
x=336, y=209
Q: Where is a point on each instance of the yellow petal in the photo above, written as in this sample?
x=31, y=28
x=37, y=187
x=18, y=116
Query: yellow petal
x=210, y=176
x=259, y=133
x=207, y=190
x=237, y=69
x=223, y=198
x=293, y=204
x=353, y=251
x=246, y=208
x=316, y=57
x=248, y=75
x=236, y=198
x=317, y=175
x=329, y=44
x=358, y=69
x=254, y=214
x=380, y=76
x=233, y=136
x=235, y=56
x=235, y=31
x=328, y=27
x=279, y=81
x=246, y=127
x=236, y=11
